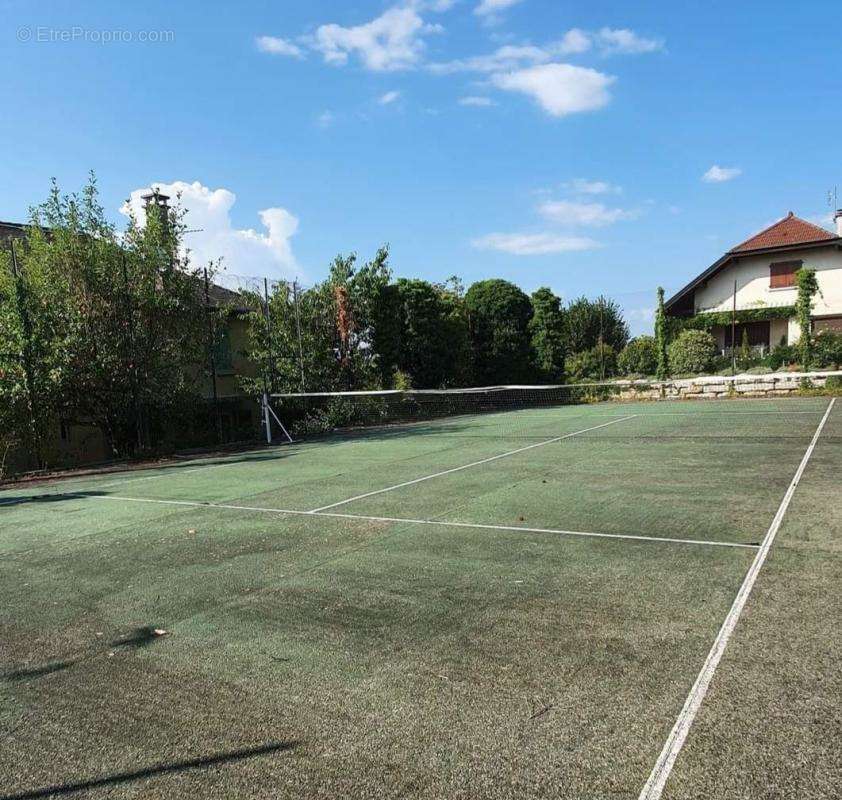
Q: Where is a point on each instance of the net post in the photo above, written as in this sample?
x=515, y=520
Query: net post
x=212, y=358
x=266, y=421
x=280, y=424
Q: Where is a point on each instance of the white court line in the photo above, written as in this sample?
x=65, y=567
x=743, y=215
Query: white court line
x=468, y=466
x=443, y=523
x=713, y=414
x=663, y=766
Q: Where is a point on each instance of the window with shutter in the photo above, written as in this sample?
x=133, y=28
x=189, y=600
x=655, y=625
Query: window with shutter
x=782, y=274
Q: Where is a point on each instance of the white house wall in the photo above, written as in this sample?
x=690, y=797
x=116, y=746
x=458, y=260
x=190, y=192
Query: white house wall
x=752, y=276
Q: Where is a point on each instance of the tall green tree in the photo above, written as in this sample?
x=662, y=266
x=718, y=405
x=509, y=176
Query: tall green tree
x=547, y=330
x=431, y=342
x=37, y=324
x=661, y=338
x=358, y=292
x=499, y=314
x=590, y=322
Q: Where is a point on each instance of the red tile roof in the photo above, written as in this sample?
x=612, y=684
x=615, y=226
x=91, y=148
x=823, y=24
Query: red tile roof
x=789, y=230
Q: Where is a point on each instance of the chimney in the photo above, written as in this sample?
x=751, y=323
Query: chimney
x=837, y=218
x=155, y=199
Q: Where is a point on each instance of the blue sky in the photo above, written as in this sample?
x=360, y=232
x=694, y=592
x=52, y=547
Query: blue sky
x=550, y=143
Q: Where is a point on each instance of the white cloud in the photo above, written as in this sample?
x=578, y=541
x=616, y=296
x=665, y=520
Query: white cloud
x=479, y=102
x=489, y=10
x=625, y=42
x=389, y=97
x=325, y=119
x=392, y=41
x=244, y=251
x=574, y=42
x=533, y=244
x=560, y=89
x=567, y=212
x=435, y=5
x=584, y=186
x=279, y=47
x=506, y=57
x=494, y=6
x=717, y=174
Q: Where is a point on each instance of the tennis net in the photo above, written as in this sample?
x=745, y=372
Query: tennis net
x=322, y=412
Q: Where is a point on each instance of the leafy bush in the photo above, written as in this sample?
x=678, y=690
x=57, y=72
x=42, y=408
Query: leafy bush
x=590, y=366
x=692, y=352
x=639, y=356
x=721, y=364
x=783, y=355
x=827, y=350
x=341, y=413
x=834, y=383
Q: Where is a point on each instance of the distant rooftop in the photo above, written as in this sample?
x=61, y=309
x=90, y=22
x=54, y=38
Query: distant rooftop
x=787, y=231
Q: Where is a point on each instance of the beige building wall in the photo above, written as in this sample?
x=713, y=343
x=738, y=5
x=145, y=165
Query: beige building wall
x=753, y=291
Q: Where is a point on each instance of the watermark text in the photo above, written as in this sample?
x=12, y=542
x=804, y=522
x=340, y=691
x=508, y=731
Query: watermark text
x=43, y=34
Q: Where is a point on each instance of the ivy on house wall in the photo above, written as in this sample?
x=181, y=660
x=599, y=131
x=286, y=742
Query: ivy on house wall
x=710, y=319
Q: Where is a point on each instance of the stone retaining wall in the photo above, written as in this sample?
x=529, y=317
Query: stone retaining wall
x=776, y=384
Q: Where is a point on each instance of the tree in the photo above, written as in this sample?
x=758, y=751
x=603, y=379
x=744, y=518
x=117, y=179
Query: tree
x=807, y=287
x=432, y=334
x=110, y=329
x=638, y=357
x=499, y=314
x=661, y=338
x=358, y=293
x=342, y=328
x=547, y=335
x=591, y=322
x=36, y=323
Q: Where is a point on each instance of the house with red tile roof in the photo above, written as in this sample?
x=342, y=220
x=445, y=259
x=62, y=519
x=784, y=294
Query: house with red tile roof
x=757, y=278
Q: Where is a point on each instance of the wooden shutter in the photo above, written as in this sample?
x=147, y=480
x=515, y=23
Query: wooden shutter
x=782, y=274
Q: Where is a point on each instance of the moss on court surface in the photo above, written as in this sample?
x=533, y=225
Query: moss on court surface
x=314, y=656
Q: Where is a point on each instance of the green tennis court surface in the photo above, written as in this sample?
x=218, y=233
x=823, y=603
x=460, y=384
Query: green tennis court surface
x=499, y=605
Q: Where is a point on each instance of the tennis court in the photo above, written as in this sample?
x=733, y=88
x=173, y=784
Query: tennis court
x=581, y=601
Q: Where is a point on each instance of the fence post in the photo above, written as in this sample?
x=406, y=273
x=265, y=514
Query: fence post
x=212, y=358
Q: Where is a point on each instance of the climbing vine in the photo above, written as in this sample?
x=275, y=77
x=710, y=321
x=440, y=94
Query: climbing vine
x=807, y=285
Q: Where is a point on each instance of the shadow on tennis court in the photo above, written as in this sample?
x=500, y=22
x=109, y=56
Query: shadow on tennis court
x=129, y=472
x=39, y=671
x=139, y=637
x=118, y=778
x=56, y=497
x=408, y=429
x=135, y=639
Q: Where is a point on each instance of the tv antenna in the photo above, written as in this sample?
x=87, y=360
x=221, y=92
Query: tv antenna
x=832, y=199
